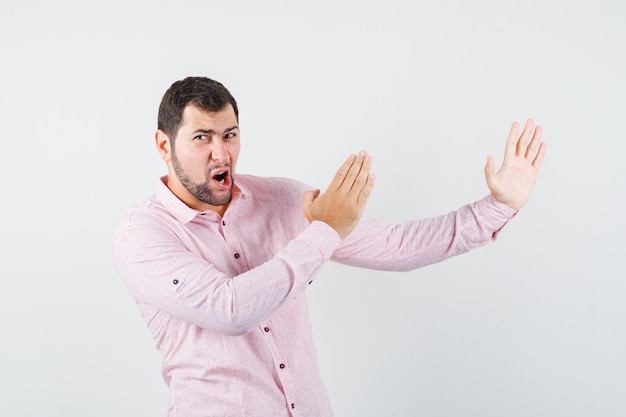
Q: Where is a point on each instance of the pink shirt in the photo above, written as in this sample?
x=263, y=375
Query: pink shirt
x=224, y=298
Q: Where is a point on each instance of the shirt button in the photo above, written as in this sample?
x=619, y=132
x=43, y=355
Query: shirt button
x=223, y=223
x=267, y=329
x=282, y=366
x=236, y=256
x=175, y=282
x=293, y=406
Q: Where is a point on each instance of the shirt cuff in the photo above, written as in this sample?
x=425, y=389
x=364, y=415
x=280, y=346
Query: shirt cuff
x=323, y=237
x=495, y=212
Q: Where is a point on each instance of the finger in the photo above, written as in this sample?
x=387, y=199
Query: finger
x=524, y=138
x=489, y=170
x=489, y=166
x=511, y=141
x=531, y=152
x=361, y=177
x=540, y=155
x=308, y=197
x=366, y=191
x=340, y=176
x=353, y=172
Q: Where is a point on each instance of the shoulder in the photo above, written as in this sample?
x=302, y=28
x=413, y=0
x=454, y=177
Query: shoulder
x=274, y=196
x=149, y=212
x=258, y=186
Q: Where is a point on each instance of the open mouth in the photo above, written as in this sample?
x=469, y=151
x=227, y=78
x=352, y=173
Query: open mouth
x=221, y=177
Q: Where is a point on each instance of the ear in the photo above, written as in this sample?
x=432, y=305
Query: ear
x=163, y=144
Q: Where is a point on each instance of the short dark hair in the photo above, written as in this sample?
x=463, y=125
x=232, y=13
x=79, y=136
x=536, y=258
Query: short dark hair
x=201, y=92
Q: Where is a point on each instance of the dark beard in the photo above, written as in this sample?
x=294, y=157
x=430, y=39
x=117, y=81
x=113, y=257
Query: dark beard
x=202, y=191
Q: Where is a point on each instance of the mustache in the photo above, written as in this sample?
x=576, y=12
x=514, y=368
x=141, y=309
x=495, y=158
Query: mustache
x=226, y=165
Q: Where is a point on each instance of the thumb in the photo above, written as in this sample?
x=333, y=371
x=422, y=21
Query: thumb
x=309, y=197
x=489, y=168
x=307, y=201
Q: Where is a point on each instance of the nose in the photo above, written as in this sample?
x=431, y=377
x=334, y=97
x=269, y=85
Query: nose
x=219, y=152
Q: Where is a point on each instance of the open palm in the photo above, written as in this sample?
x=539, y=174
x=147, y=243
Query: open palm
x=514, y=182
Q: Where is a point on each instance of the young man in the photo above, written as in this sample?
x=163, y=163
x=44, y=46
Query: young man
x=218, y=263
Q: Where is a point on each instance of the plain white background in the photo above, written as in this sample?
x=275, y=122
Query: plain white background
x=532, y=325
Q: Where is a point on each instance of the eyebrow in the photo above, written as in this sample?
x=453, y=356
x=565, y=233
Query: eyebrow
x=211, y=131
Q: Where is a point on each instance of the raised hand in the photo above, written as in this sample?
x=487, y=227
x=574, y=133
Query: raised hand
x=514, y=182
x=343, y=203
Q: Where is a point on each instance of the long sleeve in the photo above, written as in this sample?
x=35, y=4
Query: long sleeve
x=414, y=244
x=227, y=274
x=158, y=269
x=224, y=298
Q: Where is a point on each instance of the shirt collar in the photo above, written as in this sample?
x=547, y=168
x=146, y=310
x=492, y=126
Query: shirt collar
x=182, y=212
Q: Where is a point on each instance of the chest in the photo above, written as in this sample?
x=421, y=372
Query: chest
x=250, y=234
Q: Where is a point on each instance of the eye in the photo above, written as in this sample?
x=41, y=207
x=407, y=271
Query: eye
x=229, y=135
x=201, y=137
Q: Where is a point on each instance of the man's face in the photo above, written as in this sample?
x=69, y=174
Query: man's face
x=203, y=158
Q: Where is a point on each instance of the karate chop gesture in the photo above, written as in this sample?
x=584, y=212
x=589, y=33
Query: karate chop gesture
x=342, y=204
x=513, y=183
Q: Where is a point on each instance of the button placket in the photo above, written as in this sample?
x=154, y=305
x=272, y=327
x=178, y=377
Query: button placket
x=283, y=373
x=231, y=238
